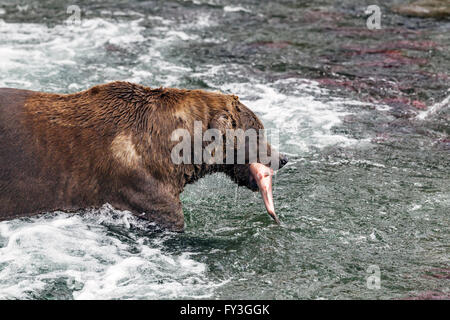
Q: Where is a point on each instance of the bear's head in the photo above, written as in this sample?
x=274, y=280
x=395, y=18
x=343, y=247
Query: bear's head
x=223, y=135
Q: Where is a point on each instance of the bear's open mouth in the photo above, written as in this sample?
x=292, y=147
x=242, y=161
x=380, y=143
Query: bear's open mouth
x=262, y=176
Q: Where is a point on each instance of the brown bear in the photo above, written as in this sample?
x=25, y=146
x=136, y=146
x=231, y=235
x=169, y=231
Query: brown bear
x=112, y=144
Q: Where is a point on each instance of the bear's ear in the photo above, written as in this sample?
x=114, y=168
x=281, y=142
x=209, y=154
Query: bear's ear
x=222, y=122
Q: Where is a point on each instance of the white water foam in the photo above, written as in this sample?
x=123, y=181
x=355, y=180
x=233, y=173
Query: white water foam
x=235, y=9
x=303, y=111
x=304, y=120
x=434, y=108
x=33, y=54
x=82, y=255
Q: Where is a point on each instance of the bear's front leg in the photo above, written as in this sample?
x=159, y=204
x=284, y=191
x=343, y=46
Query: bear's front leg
x=154, y=201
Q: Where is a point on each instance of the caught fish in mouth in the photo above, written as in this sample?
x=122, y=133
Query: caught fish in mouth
x=262, y=176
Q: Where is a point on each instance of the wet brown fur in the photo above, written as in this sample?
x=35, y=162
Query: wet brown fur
x=109, y=144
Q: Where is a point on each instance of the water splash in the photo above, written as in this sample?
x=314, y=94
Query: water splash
x=97, y=255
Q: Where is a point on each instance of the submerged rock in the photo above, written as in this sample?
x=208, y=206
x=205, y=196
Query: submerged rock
x=425, y=9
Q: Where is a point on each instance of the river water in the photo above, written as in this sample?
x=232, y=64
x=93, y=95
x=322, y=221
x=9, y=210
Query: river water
x=363, y=115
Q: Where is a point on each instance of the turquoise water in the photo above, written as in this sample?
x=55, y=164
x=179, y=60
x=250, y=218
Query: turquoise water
x=363, y=115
